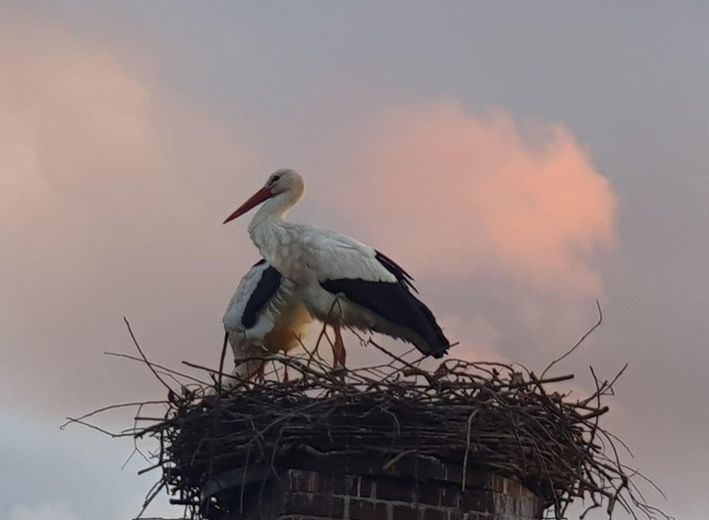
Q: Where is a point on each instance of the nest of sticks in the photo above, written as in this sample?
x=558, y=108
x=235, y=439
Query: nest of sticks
x=482, y=415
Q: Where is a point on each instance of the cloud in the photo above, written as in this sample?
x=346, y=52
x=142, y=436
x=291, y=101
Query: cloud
x=41, y=512
x=79, y=473
x=477, y=338
x=111, y=198
x=111, y=195
x=159, y=508
x=465, y=195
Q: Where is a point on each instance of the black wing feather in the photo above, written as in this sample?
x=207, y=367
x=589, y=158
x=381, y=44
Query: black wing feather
x=265, y=289
x=401, y=275
x=394, y=302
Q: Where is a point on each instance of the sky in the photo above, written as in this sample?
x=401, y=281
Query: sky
x=520, y=159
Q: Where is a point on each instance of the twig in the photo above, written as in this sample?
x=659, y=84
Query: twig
x=467, y=448
x=221, y=363
x=491, y=415
x=140, y=350
x=579, y=342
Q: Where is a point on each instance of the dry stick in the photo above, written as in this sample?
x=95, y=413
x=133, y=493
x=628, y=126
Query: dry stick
x=150, y=366
x=467, y=449
x=477, y=385
x=149, y=468
x=392, y=356
x=99, y=429
x=617, y=376
x=397, y=458
x=151, y=496
x=70, y=420
x=578, y=343
x=221, y=363
x=161, y=367
x=213, y=371
x=135, y=440
x=311, y=354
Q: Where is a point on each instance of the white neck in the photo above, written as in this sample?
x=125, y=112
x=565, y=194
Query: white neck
x=273, y=209
x=268, y=230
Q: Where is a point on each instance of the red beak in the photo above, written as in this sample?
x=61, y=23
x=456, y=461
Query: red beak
x=256, y=199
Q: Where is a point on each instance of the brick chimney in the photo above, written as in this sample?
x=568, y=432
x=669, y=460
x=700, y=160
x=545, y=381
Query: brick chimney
x=356, y=488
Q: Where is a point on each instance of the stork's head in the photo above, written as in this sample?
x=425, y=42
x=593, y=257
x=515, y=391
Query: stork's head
x=284, y=180
x=284, y=184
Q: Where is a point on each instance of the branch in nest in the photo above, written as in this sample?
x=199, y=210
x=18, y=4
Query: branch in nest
x=476, y=414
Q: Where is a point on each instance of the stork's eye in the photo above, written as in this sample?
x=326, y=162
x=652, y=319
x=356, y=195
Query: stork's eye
x=274, y=179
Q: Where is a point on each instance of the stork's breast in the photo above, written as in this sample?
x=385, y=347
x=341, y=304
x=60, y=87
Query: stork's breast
x=290, y=257
x=291, y=324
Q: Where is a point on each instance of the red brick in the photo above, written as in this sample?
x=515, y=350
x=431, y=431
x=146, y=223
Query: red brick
x=406, y=512
x=481, y=516
x=344, y=485
x=429, y=493
x=309, y=482
x=435, y=513
x=313, y=504
x=393, y=489
x=482, y=501
x=450, y=496
x=324, y=494
x=367, y=510
x=366, y=487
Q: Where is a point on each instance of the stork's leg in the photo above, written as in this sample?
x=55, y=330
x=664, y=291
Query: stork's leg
x=221, y=362
x=338, y=348
x=260, y=373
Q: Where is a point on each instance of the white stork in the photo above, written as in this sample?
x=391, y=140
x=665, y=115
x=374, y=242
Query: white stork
x=265, y=315
x=341, y=281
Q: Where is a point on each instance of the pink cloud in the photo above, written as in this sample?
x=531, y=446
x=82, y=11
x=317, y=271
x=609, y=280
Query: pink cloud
x=112, y=192
x=111, y=198
x=476, y=337
x=456, y=193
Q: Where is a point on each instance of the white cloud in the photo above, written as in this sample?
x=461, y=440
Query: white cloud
x=159, y=508
x=41, y=512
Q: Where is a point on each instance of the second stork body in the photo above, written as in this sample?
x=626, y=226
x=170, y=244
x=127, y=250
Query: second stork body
x=266, y=315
